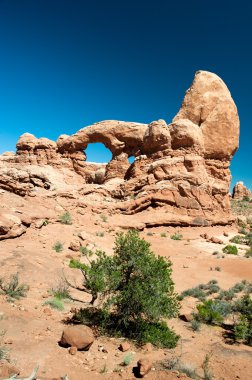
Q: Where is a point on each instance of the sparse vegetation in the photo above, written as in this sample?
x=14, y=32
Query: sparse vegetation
x=58, y=247
x=236, y=301
x=163, y=234
x=61, y=291
x=66, y=218
x=100, y=234
x=55, y=303
x=104, y=218
x=12, y=288
x=195, y=325
x=176, y=236
x=230, y=249
x=128, y=358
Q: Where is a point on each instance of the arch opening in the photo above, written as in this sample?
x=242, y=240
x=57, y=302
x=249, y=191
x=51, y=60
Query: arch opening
x=131, y=159
x=97, y=153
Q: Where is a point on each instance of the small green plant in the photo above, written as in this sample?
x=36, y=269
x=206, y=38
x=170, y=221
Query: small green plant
x=58, y=247
x=104, y=218
x=149, y=234
x=176, y=236
x=60, y=291
x=195, y=325
x=104, y=369
x=127, y=359
x=13, y=289
x=66, y=218
x=248, y=253
x=246, y=198
x=55, y=303
x=100, y=234
x=84, y=251
x=230, y=249
x=163, y=234
x=205, y=366
x=45, y=222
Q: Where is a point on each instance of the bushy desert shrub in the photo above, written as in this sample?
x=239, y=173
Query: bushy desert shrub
x=213, y=311
x=230, y=249
x=12, y=288
x=176, y=236
x=66, y=218
x=55, y=303
x=57, y=247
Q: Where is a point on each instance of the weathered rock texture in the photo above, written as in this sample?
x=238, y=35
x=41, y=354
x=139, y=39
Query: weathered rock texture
x=181, y=170
x=240, y=191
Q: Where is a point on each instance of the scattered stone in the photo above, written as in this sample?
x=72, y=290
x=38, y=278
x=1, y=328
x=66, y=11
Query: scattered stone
x=148, y=347
x=144, y=366
x=215, y=240
x=72, y=350
x=186, y=317
x=124, y=346
x=81, y=337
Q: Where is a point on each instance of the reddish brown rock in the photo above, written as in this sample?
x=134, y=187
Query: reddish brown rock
x=124, y=346
x=81, y=337
x=180, y=172
x=144, y=366
x=240, y=191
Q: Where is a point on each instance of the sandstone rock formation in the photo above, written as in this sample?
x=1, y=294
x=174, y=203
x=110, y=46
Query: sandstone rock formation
x=80, y=337
x=180, y=173
x=240, y=191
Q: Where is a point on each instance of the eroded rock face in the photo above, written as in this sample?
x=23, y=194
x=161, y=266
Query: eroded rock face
x=240, y=191
x=181, y=170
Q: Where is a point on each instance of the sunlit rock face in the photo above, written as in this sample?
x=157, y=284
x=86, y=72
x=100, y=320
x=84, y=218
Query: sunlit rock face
x=180, y=174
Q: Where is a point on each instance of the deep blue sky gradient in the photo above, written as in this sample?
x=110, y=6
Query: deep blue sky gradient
x=65, y=64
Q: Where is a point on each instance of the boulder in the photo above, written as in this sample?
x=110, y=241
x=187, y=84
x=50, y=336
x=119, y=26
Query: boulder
x=80, y=336
x=144, y=366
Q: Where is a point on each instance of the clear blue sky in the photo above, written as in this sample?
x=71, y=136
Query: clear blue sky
x=65, y=64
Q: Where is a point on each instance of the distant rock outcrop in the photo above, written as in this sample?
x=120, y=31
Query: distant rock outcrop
x=240, y=191
x=180, y=172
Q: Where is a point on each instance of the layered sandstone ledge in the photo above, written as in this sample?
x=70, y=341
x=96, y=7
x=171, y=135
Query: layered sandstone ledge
x=181, y=170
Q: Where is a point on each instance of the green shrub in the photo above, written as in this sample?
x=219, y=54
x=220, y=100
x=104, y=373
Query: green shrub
x=61, y=291
x=127, y=359
x=58, y=247
x=213, y=311
x=248, y=253
x=230, y=249
x=176, y=236
x=66, y=218
x=100, y=234
x=163, y=234
x=104, y=218
x=13, y=289
x=195, y=325
x=243, y=329
x=133, y=288
x=158, y=334
x=55, y=303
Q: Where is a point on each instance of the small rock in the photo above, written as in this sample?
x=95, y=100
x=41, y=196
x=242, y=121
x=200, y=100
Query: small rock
x=147, y=347
x=144, y=366
x=226, y=234
x=186, y=317
x=124, y=346
x=73, y=350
